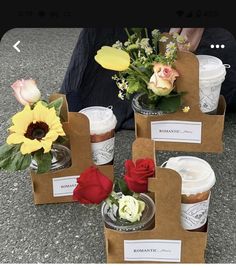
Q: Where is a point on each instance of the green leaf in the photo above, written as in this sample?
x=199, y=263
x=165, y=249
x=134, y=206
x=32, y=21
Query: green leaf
x=8, y=154
x=170, y=104
x=16, y=161
x=43, y=161
x=123, y=187
x=62, y=140
x=137, y=30
x=6, y=150
x=57, y=104
x=133, y=85
x=26, y=162
x=4, y=163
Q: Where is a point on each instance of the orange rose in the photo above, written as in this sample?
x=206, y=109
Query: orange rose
x=162, y=81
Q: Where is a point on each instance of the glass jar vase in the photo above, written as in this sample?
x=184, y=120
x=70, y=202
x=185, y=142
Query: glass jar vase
x=61, y=158
x=146, y=222
x=141, y=104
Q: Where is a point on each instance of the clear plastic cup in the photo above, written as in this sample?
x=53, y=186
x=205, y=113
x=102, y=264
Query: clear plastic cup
x=146, y=222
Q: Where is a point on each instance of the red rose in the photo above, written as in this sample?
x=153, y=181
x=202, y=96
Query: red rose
x=137, y=174
x=93, y=187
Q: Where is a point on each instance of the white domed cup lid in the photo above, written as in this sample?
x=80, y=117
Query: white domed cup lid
x=101, y=119
x=211, y=68
x=197, y=175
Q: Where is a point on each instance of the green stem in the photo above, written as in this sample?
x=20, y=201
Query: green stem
x=146, y=32
x=126, y=30
x=142, y=76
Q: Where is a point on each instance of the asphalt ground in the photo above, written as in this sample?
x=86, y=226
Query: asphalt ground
x=70, y=232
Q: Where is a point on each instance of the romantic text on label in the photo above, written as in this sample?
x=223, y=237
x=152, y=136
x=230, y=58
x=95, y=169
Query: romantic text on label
x=64, y=186
x=152, y=250
x=176, y=131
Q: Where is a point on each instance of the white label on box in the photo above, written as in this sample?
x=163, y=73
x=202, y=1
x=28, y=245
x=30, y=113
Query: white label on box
x=103, y=152
x=194, y=215
x=152, y=250
x=64, y=186
x=176, y=131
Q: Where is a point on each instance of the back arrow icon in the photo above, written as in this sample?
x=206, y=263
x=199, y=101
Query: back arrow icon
x=15, y=46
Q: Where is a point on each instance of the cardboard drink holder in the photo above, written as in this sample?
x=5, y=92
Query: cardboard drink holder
x=76, y=127
x=199, y=132
x=193, y=131
x=168, y=240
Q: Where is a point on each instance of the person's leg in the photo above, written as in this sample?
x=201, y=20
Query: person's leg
x=86, y=83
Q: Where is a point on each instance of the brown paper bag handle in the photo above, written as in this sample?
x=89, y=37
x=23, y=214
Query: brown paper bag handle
x=189, y=82
x=76, y=126
x=166, y=186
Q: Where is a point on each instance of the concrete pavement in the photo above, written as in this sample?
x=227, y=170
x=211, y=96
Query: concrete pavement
x=70, y=232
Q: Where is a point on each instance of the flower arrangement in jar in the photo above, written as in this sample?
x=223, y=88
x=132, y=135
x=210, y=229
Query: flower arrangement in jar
x=143, y=71
x=34, y=132
x=125, y=204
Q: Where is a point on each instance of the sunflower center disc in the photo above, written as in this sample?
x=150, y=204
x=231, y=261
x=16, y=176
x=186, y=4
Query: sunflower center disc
x=37, y=130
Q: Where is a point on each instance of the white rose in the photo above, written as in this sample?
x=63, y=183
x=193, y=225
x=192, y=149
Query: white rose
x=130, y=208
x=26, y=91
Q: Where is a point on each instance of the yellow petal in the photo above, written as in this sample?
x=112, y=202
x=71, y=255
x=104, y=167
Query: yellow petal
x=51, y=135
x=15, y=138
x=112, y=58
x=30, y=146
x=47, y=145
x=51, y=117
x=22, y=119
x=20, y=130
x=58, y=129
x=40, y=112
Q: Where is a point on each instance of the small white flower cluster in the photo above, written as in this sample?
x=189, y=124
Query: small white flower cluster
x=182, y=41
x=180, y=38
x=127, y=43
x=144, y=44
x=171, y=50
x=155, y=33
x=118, y=45
x=122, y=84
x=163, y=39
x=142, y=58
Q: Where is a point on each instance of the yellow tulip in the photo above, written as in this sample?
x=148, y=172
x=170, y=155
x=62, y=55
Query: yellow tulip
x=112, y=58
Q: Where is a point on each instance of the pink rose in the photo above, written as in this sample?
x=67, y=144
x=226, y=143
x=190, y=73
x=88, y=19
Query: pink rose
x=162, y=81
x=26, y=91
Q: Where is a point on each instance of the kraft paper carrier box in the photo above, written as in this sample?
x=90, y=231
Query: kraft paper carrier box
x=195, y=131
x=57, y=186
x=201, y=133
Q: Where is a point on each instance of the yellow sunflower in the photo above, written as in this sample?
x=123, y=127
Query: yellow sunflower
x=35, y=129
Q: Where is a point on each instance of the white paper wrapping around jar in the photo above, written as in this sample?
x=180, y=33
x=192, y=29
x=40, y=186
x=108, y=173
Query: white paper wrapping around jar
x=101, y=119
x=197, y=175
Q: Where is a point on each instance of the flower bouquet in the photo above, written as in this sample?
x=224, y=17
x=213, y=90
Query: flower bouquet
x=34, y=131
x=125, y=207
x=144, y=70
